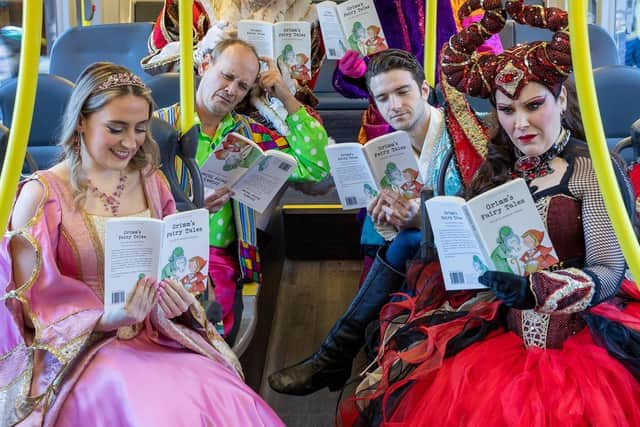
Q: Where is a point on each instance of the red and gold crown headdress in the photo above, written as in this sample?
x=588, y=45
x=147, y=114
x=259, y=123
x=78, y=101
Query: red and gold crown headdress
x=548, y=63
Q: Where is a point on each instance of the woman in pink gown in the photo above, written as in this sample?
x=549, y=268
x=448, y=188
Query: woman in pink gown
x=64, y=360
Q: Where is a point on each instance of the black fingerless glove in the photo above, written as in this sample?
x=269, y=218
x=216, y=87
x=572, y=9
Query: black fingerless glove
x=510, y=288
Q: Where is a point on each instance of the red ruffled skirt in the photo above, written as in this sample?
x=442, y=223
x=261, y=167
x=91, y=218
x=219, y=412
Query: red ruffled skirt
x=497, y=382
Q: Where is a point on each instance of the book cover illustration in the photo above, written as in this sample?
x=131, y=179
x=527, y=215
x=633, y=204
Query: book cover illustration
x=191, y=272
x=498, y=230
x=404, y=181
x=508, y=222
x=229, y=161
x=521, y=254
x=352, y=25
x=176, y=247
x=292, y=45
x=394, y=164
x=362, y=26
x=184, y=257
x=361, y=172
x=254, y=176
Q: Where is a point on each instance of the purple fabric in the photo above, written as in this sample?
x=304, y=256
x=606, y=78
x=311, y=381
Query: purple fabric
x=141, y=383
x=395, y=24
x=446, y=28
x=349, y=87
x=352, y=65
x=492, y=45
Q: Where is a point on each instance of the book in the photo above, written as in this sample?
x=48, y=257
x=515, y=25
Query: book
x=255, y=176
x=353, y=25
x=361, y=171
x=176, y=246
x=287, y=42
x=500, y=229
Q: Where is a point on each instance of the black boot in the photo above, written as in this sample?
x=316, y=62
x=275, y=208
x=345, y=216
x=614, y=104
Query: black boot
x=331, y=365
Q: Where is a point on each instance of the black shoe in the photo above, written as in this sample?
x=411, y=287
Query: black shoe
x=309, y=376
x=331, y=365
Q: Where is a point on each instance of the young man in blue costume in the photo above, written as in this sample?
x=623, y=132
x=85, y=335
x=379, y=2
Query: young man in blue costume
x=396, y=83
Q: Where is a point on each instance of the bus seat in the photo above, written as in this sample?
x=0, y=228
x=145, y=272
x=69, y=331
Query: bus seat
x=507, y=34
x=165, y=88
x=78, y=47
x=527, y=34
x=166, y=136
x=629, y=148
x=29, y=166
x=341, y=116
x=52, y=94
x=602, y=47
x=618, y=91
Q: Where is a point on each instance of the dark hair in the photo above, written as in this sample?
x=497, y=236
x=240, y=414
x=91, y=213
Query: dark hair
x=394, y=59
x=11, y=37
x=501, y=156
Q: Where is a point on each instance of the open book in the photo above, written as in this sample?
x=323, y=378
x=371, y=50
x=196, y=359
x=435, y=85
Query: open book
x=361, y=171
x=497, y=230
x=176, y=246
x=287, y=42
x=255, y=176
x=353, y=25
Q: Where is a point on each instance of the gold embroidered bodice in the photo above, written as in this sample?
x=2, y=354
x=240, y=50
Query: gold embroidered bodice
x=99, y=222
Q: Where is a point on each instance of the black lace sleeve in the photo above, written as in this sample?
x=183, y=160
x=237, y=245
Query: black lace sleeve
x=604, y=261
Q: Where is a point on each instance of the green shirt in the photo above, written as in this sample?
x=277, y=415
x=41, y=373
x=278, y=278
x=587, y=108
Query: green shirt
x=306, y=141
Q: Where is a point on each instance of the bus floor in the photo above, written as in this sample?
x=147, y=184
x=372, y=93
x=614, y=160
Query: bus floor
x=313, y=295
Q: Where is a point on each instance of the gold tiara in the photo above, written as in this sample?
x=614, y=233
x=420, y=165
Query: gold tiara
x=120, y=79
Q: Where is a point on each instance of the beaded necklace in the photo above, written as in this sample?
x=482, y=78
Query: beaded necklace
x=111, y=202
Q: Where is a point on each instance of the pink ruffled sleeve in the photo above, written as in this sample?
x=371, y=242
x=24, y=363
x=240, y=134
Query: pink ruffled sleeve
x=62, y=309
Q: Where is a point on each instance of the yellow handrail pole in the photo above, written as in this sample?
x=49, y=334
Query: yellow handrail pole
x=187, y=115
x=430, y=31
x=83, y=22
x=23, y=109
x=581, y=57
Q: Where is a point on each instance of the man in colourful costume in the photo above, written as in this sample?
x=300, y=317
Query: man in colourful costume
x=228, y=71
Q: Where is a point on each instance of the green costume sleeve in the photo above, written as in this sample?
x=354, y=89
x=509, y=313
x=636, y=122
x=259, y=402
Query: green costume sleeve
x=307, y=139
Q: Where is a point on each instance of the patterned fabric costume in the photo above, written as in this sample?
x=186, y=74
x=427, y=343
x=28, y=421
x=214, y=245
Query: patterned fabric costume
x=160, y=372
x=305, y=141
x=163, y=47
x=466, y=358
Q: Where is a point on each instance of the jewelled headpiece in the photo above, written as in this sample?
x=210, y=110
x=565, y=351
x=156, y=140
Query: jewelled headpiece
x=120, y=79
x=548, y=63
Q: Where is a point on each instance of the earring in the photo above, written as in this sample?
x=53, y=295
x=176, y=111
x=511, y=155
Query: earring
x=77, y=140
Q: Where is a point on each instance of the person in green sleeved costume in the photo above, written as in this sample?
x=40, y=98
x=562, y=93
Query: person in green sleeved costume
x=228, y=71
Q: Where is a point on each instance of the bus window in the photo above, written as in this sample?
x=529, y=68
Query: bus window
x=11, y=14
x=631, y=18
